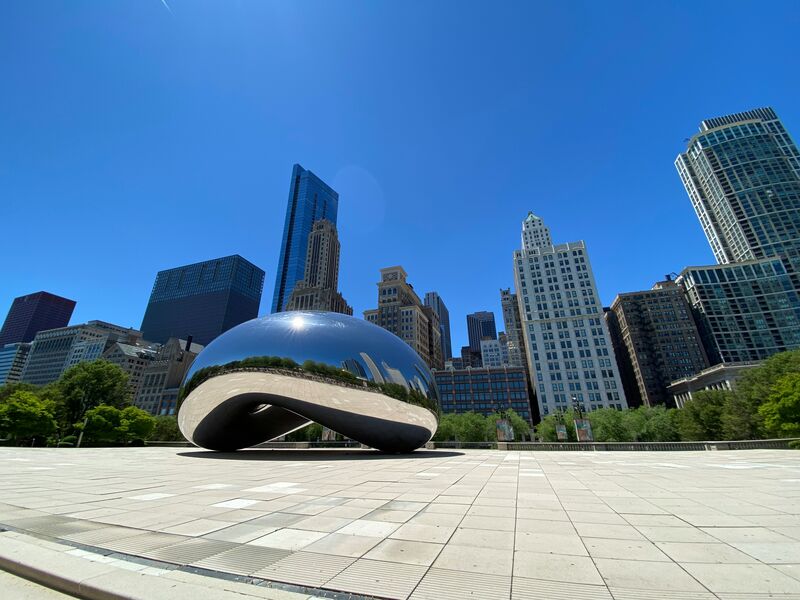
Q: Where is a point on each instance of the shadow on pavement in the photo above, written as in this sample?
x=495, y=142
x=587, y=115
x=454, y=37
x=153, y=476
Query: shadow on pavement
x=317, y=454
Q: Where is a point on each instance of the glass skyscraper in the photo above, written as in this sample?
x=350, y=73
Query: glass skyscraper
x=310, y=199
x=34, y=313
x=203, y=300
x=742, y=173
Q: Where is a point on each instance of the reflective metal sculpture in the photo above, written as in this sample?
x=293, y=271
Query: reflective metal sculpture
x=271, y=376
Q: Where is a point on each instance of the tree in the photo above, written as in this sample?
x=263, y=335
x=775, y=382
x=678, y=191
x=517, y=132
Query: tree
x=102, y=424
x=753, y=388
x=660, y=424
x=447, y=428
x=9, y=389
x=135, y=424
x=608, y=425
x=471, y=427
x=701, y=417
x=88, y=385
x=26, y=418
x=522, y=429
x=166, y=429
x=109, y=425
x=781, y=411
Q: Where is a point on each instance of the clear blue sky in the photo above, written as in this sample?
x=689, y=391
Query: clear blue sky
x=136, y=137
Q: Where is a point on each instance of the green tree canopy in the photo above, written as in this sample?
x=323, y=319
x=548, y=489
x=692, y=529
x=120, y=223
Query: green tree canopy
x=135, y=424
x=701, y=417
x=9, y=389
x=781, y=411
x=25, y=418
x=166, y=429
x=88, y=385
x=109, y=425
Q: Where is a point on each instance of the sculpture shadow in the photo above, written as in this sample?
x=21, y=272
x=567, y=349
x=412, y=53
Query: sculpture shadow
x=321, y=454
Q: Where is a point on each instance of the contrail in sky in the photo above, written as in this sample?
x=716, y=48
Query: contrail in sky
x=164, y=2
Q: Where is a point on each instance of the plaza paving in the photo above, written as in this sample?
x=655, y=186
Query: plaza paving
x=432, y=525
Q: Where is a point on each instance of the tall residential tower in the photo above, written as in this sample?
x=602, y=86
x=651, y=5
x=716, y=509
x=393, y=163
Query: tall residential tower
x=742, y=174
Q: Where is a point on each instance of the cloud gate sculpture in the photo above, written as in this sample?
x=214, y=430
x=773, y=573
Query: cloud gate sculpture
x=276, y=374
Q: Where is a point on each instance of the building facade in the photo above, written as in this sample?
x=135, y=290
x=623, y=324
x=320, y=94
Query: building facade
x=494, y=353
x=658, y=337
x=133, y=359
x=745, y=311
x=203, y=300
x=515, y=336
x=718, y=377
x=485, y=390
x=310, y=200
x=434, y=300
x=742, y=174
x=162, y=377
x=56, y=350
x=570, y=355
x=12, y=361
x=401, y=312
x=318, y=290
x=480, y=325
x=34, y=313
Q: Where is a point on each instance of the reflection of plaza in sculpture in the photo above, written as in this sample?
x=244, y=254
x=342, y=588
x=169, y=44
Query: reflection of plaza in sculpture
x=273, y=375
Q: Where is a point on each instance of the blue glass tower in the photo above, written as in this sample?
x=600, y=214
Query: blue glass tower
x=310, y=199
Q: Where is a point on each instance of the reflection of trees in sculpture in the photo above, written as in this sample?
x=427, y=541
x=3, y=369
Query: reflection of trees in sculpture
x=311, y=370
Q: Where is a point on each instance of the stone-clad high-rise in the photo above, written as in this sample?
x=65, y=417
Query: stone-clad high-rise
x=401, y=312
x=318, y=288
x=570, y=356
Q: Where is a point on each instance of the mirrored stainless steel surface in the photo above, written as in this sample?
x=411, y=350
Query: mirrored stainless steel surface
x=273, y=375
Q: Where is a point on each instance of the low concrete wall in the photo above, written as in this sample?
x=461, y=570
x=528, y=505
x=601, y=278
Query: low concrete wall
x=778, y=444
x=623, y=446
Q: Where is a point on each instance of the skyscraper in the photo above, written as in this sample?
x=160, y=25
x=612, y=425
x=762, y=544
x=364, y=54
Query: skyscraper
x=480, y=325
x=203, y=300
x=570, y=356
x=658, y=339
x=515, y=338
x=742, y=174
x=318, y=288
x=401, y=312
x=310, y=199
x=34, y=313
x=434, y=300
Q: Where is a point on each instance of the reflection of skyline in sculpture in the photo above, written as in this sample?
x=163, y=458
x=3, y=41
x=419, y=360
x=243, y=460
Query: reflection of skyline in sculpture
x=394, y=375
x=243, y=389
x=373, y=368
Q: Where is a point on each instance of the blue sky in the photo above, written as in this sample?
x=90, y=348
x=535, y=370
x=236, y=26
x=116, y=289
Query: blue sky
x=135, y=138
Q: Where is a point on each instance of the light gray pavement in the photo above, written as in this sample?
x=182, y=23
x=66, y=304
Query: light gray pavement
x=22, y=589
x=432, y=525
